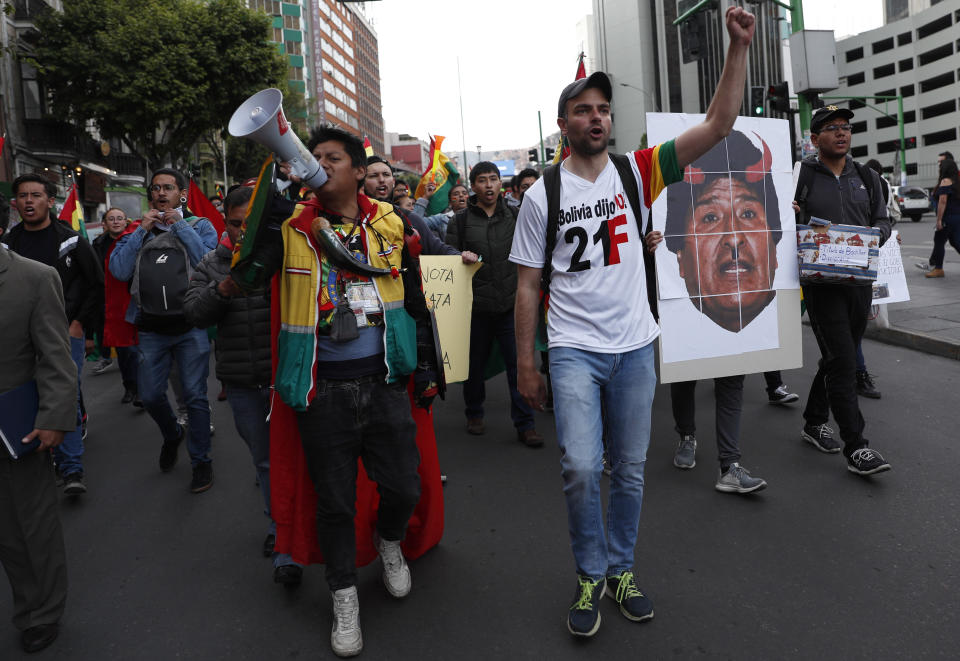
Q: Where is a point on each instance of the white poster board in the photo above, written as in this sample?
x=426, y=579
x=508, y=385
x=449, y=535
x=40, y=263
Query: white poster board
x=891, y=283
x=727, y=272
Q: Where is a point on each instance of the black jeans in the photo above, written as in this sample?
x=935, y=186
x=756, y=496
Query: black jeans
x=728, y=391
x=354, y=419
x=486, y=327
x=838, y=316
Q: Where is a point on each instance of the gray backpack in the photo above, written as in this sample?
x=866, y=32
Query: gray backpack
x=162, y=275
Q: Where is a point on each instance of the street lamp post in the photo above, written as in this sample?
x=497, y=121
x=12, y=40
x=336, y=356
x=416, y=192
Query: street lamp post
x=653, y=101
x=479, y=157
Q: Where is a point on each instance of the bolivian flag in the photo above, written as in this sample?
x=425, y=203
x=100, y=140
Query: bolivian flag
x=367, y=147
x=563, y=147
x=442, y=173
x=72, y=213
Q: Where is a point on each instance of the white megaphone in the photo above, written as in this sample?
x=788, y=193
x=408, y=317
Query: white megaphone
x=261, y=119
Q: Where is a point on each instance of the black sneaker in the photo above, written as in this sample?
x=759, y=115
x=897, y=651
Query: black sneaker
x=288, y=576
x=866, y=462
x=584, y=616
x=865, y=386
x=168, y=451
x=634, y=605
x=128, y=396
x=820, y=437
x=73, y=484
x=202, y=477
x=268, y=544
x=782, y=396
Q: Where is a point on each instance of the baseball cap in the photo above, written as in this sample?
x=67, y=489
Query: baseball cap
x=823, y=115
x=597, y=79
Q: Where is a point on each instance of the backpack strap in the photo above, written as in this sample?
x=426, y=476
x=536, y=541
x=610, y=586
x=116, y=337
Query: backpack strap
x=461, y=219
x=866, y=176
x=551, y=182
x=629, y=181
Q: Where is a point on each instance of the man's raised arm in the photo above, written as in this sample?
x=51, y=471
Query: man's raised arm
x=697, y=141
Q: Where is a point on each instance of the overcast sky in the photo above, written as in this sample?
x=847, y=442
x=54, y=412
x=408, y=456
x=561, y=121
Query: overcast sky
x=508, y=67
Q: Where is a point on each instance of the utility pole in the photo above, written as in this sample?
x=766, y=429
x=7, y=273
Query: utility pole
x=542, y=152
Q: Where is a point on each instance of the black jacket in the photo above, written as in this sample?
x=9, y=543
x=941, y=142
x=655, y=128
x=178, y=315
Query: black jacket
x=80, y=274
x=243, y=322
x=495, y=282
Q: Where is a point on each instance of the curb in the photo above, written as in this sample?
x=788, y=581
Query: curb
x=914, y=340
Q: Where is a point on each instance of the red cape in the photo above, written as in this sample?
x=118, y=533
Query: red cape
x=293, y=500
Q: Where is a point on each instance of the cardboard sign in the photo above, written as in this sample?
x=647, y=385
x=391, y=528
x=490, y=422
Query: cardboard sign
x=448, y=287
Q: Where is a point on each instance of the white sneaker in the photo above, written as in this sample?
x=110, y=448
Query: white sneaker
x=396, y=573
x=345, y=638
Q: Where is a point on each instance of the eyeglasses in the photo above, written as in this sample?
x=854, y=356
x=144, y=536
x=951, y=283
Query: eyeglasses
x=833, y=128
x=156, y=188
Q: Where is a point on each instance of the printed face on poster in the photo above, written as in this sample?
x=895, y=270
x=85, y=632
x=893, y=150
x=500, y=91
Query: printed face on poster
x=729, y=241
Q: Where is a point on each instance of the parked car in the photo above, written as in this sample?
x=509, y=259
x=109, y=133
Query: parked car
x=913, y=201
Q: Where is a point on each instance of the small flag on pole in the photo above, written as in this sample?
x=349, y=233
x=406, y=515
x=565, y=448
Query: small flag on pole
x=72, y=213
x=442, y=174
x=220, y=192
x=563, y=148
x=367, y=147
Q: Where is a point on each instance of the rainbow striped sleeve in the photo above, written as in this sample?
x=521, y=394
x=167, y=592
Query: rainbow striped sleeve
x=658, y=169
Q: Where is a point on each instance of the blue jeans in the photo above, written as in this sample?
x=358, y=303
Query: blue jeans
x=624, y=383
x=128, y=358
x=484, y=328
x=191, y=350
x=69, y=454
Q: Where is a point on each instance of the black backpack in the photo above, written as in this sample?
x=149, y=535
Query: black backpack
x=551, y=182
x=162, y=275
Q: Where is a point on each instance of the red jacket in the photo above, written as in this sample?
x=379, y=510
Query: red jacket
x=116, y=299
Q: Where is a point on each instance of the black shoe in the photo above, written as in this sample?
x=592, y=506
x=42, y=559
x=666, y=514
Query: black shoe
x=530, y=438
x=168, y=451
x=782, y=396
x=202, y=477
x=820, y=437
x=73, y=484
x=634, y=605
x=288, y=575
x=583, y=619
x=128, y=396
x=36, y=638
x=137, y=401
x=865, y=461
x=865, y=386
x=268, y=545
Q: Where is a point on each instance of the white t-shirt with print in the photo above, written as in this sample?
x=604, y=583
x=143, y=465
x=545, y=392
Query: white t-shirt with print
x=598, y=286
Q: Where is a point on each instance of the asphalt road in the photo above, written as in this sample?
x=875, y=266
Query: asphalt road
x=821, y=565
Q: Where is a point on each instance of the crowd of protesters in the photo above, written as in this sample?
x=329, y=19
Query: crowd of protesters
x=327, y=351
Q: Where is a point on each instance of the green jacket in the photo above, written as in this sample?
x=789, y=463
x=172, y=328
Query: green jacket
x=495, y=283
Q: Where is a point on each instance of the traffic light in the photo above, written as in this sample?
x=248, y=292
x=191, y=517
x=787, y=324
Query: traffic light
x=911, y=143
x=779, y=96
x=532, y=153
x=549, y=151
x=756, y=101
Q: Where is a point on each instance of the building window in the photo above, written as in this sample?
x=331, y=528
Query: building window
x=856, y=103
x=891, y=92
x=855, y=54
x=884, y=71
x=858, y=152
x=904, y=39
x=937, y=82
x=934, y=26
x=856, y=78
x=293, y=48
x=882, y=45
x=32, y=99
x=907, y=90
x=938, y=109
x=905, y=65
x=935, y=54
x=939, y=137
x=909, y=117
x=859, y=127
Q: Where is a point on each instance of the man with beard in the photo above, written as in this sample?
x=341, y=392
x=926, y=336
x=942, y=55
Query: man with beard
x=582, y=225
x=834, y=187
x=51, y=242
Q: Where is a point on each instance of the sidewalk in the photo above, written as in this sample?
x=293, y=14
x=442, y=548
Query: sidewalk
x=930, y=320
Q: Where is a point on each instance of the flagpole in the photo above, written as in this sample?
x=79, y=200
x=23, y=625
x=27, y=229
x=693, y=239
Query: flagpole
x=226, y=184
x=543, y=154
x=463, y=138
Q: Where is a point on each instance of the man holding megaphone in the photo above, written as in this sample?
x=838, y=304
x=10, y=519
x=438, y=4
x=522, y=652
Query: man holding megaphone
x=352, y=327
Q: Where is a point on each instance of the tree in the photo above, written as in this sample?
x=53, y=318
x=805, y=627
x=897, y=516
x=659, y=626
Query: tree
x=156, y=74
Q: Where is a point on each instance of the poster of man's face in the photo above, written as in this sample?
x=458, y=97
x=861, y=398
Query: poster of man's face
x=729, y=241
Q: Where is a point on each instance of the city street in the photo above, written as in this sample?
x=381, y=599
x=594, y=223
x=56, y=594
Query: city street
x=820, y=565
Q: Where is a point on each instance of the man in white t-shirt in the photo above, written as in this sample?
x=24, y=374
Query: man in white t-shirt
x=599, y=325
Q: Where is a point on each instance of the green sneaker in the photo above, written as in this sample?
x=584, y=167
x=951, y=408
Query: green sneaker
x=584, y=616
x=633, y=604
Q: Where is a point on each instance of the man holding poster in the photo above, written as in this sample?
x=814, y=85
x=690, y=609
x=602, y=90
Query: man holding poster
x=600, y=331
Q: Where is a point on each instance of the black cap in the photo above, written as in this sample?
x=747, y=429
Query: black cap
x=597, y=79
x=823, y=115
